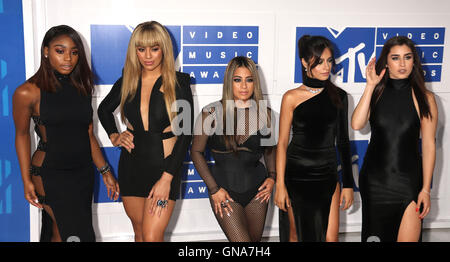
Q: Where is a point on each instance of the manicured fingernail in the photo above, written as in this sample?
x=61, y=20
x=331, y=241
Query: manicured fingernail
x=417, y=210
x=257, y=198
x=228, y=214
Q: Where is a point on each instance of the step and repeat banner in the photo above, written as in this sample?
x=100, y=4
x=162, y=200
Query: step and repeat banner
x=14, y=210
x=205, y=37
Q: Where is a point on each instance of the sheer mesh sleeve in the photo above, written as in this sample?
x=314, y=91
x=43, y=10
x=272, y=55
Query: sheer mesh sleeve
x=270, y=149
x=343, y=144
x=201, y=135
x=108, y=106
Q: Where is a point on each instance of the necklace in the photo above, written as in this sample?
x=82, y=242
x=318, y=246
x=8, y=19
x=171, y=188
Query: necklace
x=314, y=91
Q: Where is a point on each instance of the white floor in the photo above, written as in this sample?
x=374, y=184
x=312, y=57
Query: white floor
x=429, y=235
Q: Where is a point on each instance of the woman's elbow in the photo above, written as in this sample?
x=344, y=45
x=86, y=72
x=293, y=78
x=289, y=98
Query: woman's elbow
x=357, y=125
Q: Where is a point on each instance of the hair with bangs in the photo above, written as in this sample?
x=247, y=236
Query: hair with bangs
x=149, y=34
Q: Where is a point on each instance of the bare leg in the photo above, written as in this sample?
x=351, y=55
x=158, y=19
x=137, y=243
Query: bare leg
x=333, y=218
x=134, y=207
x=154, y=225
x=37, y=181
x=411, y=225
x=292, y=230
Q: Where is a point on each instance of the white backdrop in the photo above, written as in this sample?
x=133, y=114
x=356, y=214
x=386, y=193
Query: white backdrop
x=277, y=21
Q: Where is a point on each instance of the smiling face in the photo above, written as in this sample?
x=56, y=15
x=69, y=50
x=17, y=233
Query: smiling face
x=400, y=61
x=62, y=54
x=323, y=68
x=242, y=84
x=150, y=57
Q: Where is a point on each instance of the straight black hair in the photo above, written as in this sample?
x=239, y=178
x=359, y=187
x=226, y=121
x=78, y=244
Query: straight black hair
x=310, y=48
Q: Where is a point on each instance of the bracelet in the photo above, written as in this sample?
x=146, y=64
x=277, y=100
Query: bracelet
x=426, y=191
x=105, y=169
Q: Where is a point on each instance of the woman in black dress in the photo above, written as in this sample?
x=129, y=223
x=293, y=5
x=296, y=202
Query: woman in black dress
x=149, y=94
x=59, y=177
x=239, y=185
x=307, y=178
x=395, y=180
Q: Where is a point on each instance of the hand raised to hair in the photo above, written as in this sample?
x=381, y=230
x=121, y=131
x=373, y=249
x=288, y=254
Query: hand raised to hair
x=372, y=78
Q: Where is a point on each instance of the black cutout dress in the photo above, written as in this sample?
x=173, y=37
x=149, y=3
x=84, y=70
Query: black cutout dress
x=143, y=167
x=391, y=175
x=67, y=171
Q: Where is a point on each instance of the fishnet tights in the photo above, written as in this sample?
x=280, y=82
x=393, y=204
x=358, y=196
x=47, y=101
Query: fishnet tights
x=245, y=224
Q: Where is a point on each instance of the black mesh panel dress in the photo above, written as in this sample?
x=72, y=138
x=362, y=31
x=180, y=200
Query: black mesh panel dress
x=391, y=175
x=239, y=172
x=143, y=167
x=67, y=171
x=311, y=164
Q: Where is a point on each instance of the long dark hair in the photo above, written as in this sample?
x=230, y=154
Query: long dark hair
x=310, y=48
x=227, y=95
x=416, y=78
x=81, y=76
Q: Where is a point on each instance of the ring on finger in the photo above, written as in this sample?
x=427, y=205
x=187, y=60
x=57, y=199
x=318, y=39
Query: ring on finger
x=161, y=203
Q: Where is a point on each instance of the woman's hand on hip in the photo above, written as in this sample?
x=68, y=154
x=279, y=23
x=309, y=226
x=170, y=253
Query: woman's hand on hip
x=124, y=139
x=265, y=190
x=221, y=201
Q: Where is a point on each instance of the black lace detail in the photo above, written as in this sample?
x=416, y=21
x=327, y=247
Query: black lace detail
x=42, y=146
x=35, y=170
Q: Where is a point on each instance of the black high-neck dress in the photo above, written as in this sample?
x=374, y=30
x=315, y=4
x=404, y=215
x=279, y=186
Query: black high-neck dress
x=67, y=171
x=391, y=175
x=311, y=176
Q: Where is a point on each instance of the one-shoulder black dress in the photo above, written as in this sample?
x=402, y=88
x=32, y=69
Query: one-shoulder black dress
x=67, y=171
x=143, y=167
x=311, y=176
x=391, y=175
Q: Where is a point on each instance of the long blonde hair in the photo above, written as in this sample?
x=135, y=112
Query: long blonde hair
x=149, y=34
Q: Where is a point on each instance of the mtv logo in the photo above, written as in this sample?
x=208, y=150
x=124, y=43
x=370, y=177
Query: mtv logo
x=353, y=47
x=109, y=45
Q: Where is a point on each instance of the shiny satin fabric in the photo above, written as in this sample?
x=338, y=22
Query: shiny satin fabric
x=311, y=164
x=391, y=175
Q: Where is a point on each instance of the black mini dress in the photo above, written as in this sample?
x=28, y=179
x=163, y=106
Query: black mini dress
x=143, y=167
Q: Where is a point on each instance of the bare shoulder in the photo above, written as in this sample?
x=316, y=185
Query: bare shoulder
x=430, y=97
x=292, y=95
x=27, y=92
